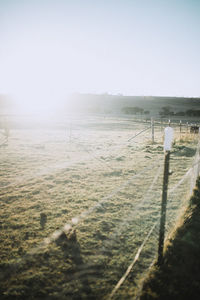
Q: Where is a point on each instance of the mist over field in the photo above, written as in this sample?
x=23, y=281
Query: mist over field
x=89, y=92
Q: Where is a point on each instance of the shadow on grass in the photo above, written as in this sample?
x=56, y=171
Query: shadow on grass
x=71, y=248
x=183, y=151
x=52, y=275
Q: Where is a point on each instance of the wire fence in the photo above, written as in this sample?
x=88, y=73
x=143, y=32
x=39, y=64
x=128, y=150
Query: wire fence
x=170, y=225
x=142, y=215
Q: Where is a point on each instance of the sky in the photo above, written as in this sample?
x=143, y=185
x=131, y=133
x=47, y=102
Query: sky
x=49, y=49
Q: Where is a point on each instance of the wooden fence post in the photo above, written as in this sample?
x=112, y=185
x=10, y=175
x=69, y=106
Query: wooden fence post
x=152, y=130
x=163, y=207
x=167, y=148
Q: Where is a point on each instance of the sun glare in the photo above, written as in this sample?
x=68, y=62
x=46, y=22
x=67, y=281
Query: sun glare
x=39, y=76
x=39, y=102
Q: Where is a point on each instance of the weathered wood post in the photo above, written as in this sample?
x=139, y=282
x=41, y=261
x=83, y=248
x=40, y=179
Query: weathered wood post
x=152, y=130
x=180, y=128
x=167, y=148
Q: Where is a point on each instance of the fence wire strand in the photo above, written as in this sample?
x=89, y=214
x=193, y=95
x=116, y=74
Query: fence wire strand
x=123, y=278
x=75, y=221
x=129, y=218
x=138, y=133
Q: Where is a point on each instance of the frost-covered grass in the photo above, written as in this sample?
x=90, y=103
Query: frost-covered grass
x=62, y=173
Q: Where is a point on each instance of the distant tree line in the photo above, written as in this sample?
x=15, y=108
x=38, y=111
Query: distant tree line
x=193, y=113
x=166, y=111
x=135, y=111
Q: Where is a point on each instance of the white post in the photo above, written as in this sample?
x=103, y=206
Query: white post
x=169, y=133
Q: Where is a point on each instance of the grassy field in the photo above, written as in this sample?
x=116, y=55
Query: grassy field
x=87, y=172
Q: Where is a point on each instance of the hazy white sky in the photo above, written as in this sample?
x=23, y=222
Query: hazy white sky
x=135, y=47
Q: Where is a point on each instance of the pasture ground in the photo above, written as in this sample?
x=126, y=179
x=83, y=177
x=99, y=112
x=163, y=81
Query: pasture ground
x=63, y=172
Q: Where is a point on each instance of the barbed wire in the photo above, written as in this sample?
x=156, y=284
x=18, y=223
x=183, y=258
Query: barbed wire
x=111, y=239
x=169, y=227
x=75, y=221
x=139, y=133
x=46, y=170
x=116, y=147
x=123, y=278
x=146, y=238
x=126, y=220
